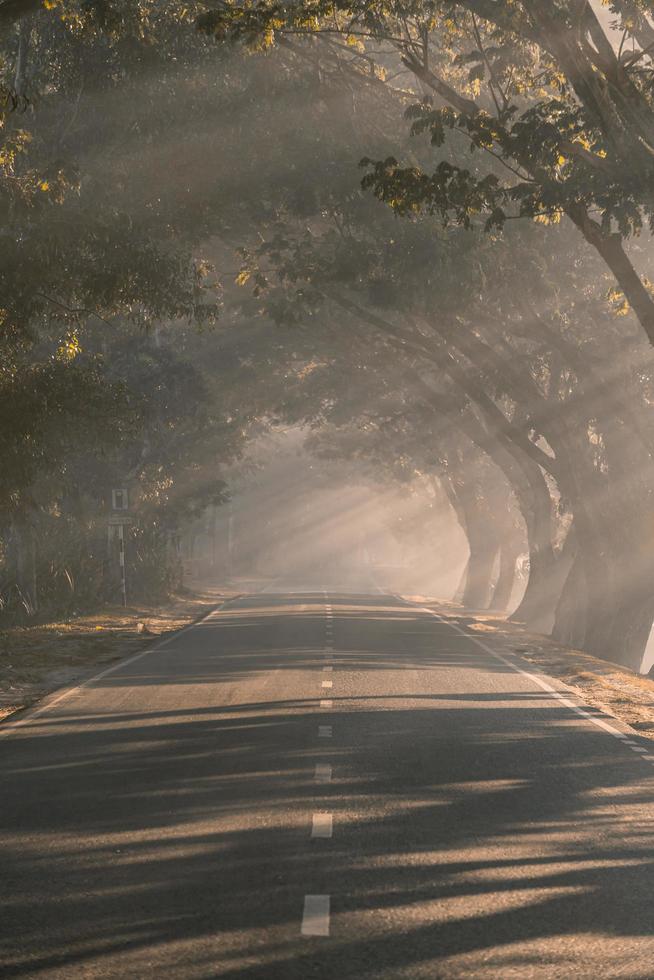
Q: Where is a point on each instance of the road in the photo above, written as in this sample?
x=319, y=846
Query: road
x=214, y=808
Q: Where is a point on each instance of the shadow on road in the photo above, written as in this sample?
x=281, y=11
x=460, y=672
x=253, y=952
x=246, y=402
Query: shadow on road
x=481, y=830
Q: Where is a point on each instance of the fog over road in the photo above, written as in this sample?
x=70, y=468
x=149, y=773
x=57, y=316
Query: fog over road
x=324, y=785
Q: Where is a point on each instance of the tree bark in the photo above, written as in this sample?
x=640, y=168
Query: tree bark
x=483, y=543
x=608, y=601
x=477, y=592
x=572, y=607
x=461, y=587
x=503, y=590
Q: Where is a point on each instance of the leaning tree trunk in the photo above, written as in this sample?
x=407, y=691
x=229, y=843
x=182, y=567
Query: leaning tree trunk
x=477, y=591
x=536, y=608
x=509, y=553
x=611, y=587
x=477, y=523
x=483, y=543
x=461, y=587
x=572, y=608
x=619, y=616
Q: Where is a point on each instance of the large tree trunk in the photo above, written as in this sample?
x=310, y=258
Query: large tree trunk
x=572, y=608
x=536, y=608
x=477, y=592
x=466, y=495
x=509, y=552
x=532, y=493
x=602, y=612
x=461, y=587
x=620, y=605
x=608, y=603
x=483, y=542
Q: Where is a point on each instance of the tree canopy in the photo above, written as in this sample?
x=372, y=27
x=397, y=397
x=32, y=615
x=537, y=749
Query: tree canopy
x=419, y=231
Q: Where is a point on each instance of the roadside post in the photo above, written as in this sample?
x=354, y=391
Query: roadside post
x=119, y=519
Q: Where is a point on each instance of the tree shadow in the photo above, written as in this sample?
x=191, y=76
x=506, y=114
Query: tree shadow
x=477, y=832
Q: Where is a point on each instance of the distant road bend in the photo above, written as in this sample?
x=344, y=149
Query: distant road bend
x=324, y=785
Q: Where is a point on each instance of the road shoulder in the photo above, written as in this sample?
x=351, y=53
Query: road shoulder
x=37, y=660
x=616, y=690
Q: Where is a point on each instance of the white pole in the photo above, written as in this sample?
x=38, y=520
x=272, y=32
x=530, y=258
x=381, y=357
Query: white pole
x=121, y=558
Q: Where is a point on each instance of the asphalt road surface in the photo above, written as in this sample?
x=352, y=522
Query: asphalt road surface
x=324, y=786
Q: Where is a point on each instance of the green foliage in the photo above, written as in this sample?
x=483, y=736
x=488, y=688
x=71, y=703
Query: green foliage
x=565, y=122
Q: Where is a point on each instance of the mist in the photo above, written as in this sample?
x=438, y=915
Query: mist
x=326, y=489
x=299, y=523
x=270, y=291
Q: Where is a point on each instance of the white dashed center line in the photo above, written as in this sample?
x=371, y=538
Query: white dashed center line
x=315, y=918
x=322, y=825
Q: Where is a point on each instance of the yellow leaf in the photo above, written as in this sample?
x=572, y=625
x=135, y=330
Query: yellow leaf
x=70, y=347
x=548, y=219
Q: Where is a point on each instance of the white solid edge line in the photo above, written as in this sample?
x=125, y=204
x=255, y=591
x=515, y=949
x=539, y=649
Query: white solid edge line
x=323, y=773
x=315, y=916
x=6, y=728
x=534, y=678
x=324, y=731
x=326, y=703
x=327, y=684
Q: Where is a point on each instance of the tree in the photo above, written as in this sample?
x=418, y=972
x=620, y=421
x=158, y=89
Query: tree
x=562, y=379
x=566, y=120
